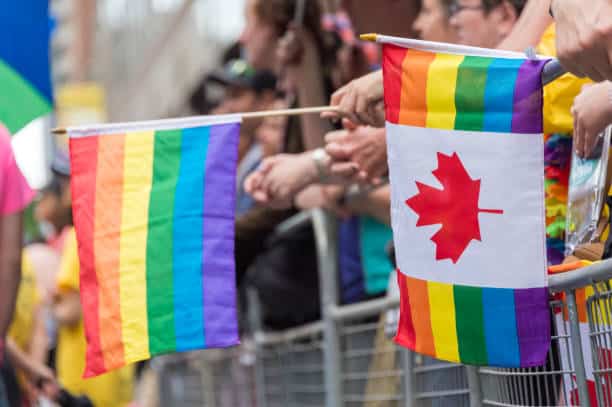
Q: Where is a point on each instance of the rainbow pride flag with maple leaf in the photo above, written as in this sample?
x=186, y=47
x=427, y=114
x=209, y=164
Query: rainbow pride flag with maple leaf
x=466, y=160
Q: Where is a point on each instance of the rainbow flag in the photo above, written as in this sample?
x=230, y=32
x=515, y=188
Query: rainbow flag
x=25, y=75
x=465, y=147
x=154, y=217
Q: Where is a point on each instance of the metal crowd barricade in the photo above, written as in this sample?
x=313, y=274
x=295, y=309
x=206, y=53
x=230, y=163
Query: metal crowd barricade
x=211, y=378
x=346, y=360
x=363, y=368
x=537, y=386
x=599, y=310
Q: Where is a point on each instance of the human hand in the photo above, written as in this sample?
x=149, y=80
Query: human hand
x=41, y=381
x=584, y=37
x=361, y=101
x=296, y=50
x=358, y=154
x=280, y=178
x=592, y=111
x=39, y=372
x=323, y=196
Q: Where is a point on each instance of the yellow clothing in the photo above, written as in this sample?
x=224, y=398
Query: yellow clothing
x=113, y=389
x=28, y=299
x=559, y=95
x=558, y=100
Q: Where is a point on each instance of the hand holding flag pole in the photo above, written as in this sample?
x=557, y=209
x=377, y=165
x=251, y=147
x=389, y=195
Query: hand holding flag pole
x=360, y=100
x=552, y=71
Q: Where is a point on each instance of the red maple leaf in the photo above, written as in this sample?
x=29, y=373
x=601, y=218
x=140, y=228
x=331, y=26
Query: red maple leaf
x=455, y=207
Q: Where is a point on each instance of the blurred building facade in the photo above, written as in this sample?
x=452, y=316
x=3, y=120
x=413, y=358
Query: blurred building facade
x=147, y=55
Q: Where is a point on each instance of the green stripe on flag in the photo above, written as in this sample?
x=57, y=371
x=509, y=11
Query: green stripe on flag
x=20, y=103
x=470, y=93
x=160, y=278
x=470, y=325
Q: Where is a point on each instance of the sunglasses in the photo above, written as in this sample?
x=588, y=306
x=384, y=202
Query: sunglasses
x=456, y=8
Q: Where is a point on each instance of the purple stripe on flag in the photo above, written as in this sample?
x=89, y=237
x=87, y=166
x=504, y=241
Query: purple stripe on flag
x=532, y=325
x=528, y=98
x=218, y=270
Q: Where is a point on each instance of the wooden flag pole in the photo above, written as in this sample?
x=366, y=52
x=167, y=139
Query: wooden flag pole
x=248, y=115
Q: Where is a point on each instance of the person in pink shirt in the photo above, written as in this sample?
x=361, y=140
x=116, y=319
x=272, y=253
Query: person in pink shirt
x=15, y=195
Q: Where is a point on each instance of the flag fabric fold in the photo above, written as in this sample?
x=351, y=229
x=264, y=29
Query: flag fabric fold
x=154, y=218
x=25, y=75
x=466, y=162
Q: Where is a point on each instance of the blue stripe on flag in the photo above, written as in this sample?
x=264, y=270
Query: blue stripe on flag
x=500, y=327
x=188, y=230
x=499, y=94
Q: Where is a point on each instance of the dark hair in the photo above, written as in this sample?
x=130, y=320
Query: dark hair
x=517, y=4
x=57, y=184
x=446, y=5
x=280, y=14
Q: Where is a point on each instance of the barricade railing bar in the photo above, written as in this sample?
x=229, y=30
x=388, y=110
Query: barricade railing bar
x=347, y=359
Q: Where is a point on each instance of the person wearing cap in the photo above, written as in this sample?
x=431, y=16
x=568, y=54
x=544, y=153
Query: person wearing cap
x=53, y=211
x=246, y=90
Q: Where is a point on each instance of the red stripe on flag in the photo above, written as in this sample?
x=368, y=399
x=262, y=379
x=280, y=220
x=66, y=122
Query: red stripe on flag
x=405, y=330
x=83, y=156
x=393, y=57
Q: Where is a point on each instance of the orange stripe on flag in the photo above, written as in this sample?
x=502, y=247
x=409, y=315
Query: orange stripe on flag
x=413, y=105
x=421, y=318
x=109, y=187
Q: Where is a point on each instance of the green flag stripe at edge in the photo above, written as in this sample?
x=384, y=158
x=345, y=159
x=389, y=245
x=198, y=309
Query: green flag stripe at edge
x=20, y=103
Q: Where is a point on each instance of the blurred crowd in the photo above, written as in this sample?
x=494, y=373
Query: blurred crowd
x=290, y=55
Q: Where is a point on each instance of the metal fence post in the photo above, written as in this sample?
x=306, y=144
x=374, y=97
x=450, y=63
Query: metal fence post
x=208, y=382
x=254, y=314
x=576, y=342
x=407, y=361
x=473, y=377
x=325, y=235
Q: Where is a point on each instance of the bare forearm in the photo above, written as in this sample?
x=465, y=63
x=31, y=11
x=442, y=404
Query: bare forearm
x=10, y=276
x=18, y=356
x=311, y=92
x=10, y=268
x=529, y=28
x=377, y=205
x=39, y=346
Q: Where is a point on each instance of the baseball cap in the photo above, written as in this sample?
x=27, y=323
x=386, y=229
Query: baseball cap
x=239, y=73
x=61, y=163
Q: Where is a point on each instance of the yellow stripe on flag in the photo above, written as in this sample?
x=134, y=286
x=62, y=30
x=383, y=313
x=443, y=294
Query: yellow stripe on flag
x=441, y=87
x=443, y=324
x=138, y=173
